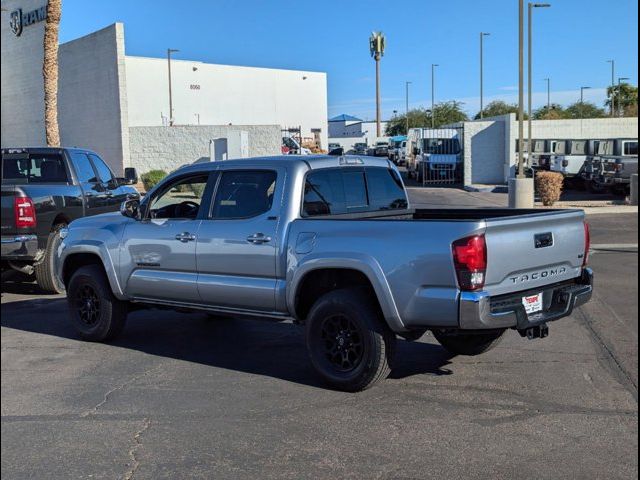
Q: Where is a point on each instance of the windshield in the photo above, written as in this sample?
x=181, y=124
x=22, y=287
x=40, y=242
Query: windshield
x=441, y=146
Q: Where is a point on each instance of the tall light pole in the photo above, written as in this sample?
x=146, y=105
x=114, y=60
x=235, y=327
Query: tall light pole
x=482, y=35
x=376, y=48
x=582, y=89
x=618, y=92
x=169, y=52
x=548, y=80
x=406, y=115
x=613, y=84
x=520, y=174
x=529, y=72
x=433, y=92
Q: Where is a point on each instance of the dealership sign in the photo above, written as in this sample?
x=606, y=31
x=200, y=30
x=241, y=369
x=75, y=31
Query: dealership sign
x=19, y=20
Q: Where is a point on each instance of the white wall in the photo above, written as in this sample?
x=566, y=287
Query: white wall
x=91, y=98
x=22, y=87
x=167, y=148
x=226, y=95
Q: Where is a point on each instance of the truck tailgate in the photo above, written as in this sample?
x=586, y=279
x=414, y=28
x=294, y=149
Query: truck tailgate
x=533, y=250
x=8, y=219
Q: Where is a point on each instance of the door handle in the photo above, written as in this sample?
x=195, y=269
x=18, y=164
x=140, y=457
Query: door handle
x=185, y=237
x=258, y=238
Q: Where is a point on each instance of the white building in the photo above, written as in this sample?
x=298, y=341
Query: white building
x=118, y=105
x=346, y=130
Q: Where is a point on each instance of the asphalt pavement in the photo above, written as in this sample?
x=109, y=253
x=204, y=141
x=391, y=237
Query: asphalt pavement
x=183, y=396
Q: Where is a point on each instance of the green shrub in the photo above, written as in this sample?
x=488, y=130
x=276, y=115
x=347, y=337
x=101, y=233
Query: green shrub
x=151, y=178
x=549, y=187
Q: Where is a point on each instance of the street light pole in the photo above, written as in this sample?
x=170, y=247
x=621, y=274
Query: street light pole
x=529, y=87
x=482, y=35
x=613, y=84
x=169, y=52
x=582, y=89
x=520, y=173
x=433, y=93
x=406, y=116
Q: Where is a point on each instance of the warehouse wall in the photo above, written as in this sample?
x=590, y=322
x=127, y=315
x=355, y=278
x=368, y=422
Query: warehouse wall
x=22, y=87
x=92, y=104
x=167, y=148
x=209, y=94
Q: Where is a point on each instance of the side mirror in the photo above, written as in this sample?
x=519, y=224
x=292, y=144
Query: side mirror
x=131, y=175
x=131, y=208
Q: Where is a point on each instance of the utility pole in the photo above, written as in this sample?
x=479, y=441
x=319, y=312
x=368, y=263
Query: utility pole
x=529, y=71
x=482, y=35
x=433, y=93
x=520, y=173
x=407, y=105
x=548, y=80
x=169, y=52
x=582, y=89
x=376, y=48
x=613, y=84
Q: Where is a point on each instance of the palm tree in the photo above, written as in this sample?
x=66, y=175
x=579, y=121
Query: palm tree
x=50, y=72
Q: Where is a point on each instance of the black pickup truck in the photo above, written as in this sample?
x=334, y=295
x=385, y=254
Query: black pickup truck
x=43, y=190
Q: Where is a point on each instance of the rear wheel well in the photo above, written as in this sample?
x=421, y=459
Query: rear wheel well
x=318, y=282
x=61, y=219
x=76, y=261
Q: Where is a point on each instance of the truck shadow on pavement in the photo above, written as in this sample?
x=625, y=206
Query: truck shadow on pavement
x=252, y=346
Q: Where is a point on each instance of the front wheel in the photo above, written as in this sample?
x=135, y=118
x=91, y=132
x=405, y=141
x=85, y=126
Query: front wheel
x=468, y=343
x=348, y=342
x=96, y=314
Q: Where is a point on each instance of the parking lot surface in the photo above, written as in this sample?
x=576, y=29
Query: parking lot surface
x=183, y=396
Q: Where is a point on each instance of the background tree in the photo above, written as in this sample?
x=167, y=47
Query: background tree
x=556, y=112
x=498, y=107
x=445, y=113
x=626, y=100
x=584, y=110
x=50, y=72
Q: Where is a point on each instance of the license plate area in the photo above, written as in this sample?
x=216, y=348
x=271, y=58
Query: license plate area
x=532, y=303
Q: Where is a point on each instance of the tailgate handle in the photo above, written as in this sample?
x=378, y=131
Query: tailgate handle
x=543, y=240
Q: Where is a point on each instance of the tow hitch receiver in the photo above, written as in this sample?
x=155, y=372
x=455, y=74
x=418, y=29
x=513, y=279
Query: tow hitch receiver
x=538, y=331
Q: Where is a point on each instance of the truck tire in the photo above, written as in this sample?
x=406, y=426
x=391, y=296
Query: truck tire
x=96, y=314
x=468, y=343
x=349, y=344
x=46, y=270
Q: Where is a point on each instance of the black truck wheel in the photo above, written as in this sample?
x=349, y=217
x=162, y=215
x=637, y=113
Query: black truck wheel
x=96, y=314
x=348, y=342
x=46, y=270
x=468, y=343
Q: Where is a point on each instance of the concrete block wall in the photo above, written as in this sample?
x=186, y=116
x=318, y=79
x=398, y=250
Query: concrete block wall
x=167, y=148
x=483, y=151
x=22, y=86
x=92, y=106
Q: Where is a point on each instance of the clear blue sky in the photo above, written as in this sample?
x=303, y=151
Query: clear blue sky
x=572, y=40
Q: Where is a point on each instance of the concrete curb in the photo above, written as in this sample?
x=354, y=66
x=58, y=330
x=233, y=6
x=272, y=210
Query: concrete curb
x=593, y=210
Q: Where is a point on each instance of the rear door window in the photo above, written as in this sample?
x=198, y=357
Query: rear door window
x=33, y=168
x=244, y=194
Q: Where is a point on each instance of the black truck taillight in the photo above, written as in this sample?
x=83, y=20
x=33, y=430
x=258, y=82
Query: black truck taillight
x=470, y=260
x=24, y=212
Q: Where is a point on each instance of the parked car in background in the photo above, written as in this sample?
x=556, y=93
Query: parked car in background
x=542, y=152
x=379, y=149
x=43, y=190
x=402, y=153
x=290, y=146
x=612, y=166
x=333, y=146
x=395, y=143
x=360, y=148
x=569, y=159
x=437, y=155
x=329, y=243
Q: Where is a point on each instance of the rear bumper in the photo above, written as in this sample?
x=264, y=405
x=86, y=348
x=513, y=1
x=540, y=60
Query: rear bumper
x=19, y=247
x=479, y=311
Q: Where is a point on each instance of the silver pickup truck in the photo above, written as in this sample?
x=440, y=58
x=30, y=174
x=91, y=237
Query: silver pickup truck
x=330, y=243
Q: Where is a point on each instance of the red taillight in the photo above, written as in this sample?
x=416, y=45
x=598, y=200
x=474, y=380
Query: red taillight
x=24, y=212
x=470, y=260
x=587, y=244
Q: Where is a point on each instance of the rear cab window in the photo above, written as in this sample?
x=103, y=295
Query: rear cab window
x=339, y=191
x=27, y=168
